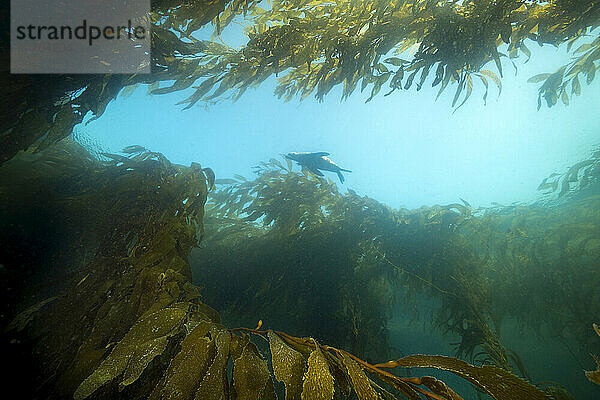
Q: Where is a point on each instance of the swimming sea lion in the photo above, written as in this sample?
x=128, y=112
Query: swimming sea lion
x=317, y=162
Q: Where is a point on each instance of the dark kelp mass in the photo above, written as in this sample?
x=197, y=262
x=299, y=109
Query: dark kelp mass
x=103, y=297
x=359, y=255
x=314, y=46
x=125, y=320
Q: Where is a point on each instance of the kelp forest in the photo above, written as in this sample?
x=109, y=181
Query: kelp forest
x=130, y=276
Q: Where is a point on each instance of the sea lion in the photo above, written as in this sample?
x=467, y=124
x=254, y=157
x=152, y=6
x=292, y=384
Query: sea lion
x=317, y=162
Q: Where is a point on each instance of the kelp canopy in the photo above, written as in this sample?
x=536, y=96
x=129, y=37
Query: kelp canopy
x=314, y=46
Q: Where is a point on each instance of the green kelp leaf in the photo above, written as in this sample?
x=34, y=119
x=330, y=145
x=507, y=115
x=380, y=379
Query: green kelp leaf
x=424, y=75
x=135, y=351
x=25, y=317
x=360, y=381
x=485, y=83
x=565, y=98
x=135, y=148
x=445, y=81
x=178, y=85
x=152, y=87
x=201, y=90
x=459, y=88
x=591, y=74
x=276, y=163
x=225, y=181
x=396, y=61
x=538, y=78
x=381, y=68
x=576, y=86
x=127, y=91
x=62, y=125
x=498, y=63
x=439, y=75
x=594, y=55
x=495, y=381
x=318, y=382
x=226, y=83
x=288, y=365
x=188, y=367
x=251, y=377
x=214, y=386
x=409, y=80
x=469, y=86
x=525, y=51
x=494, y=78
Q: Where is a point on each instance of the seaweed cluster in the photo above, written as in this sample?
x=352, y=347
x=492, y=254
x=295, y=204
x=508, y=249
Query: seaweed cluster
x=127, y=322
x=145, y=215
x=359, y=255
x=364, y=257
x=315, y=46
x=322, y=44
x=581, y=177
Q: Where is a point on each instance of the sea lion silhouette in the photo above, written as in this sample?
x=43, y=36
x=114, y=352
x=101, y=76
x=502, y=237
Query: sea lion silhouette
x=317, y=162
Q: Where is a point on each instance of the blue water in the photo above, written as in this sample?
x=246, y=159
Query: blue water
x=404, y=150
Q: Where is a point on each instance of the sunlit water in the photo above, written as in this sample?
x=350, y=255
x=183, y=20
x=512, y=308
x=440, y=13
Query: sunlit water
x=405, y=150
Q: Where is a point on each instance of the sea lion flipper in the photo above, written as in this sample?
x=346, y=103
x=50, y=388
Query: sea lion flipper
x=316, y=171
x=339, y=174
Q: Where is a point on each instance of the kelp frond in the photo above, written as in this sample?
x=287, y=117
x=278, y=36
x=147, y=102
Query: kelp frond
x=313, y=47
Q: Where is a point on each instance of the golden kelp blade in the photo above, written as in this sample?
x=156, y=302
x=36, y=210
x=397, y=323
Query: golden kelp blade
x=288, y=365
x=440, y=388
x=360, y=382
x=214, y=385
x=251, y=377
x=496, y=382
x=594, y=376
x=318, y=382
x=146, y=340
x=189, y=366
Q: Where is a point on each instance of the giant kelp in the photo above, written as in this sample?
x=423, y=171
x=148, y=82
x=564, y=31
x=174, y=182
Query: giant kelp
x=128, y=323
x=477, y=263
x=48, y=107
x=315, y=46
x=146, y=214
x=322, y=44
x=581, y=177
x=351, y=249
x=309, y=246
